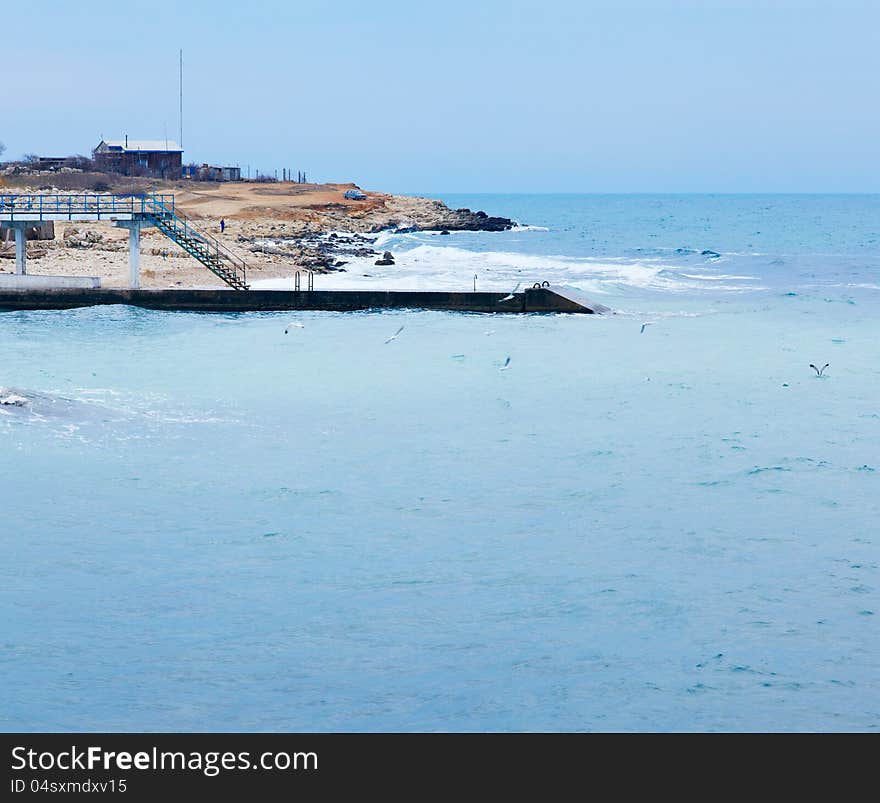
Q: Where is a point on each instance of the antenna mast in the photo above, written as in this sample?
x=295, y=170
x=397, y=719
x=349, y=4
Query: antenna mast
x=181, y=99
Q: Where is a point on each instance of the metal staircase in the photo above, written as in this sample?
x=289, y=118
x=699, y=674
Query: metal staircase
x=206, y=249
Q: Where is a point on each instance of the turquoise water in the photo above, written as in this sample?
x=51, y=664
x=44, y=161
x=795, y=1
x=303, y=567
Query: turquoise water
x=211, y=525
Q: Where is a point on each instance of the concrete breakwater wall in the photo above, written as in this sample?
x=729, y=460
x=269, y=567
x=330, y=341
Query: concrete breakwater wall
x=531, y=300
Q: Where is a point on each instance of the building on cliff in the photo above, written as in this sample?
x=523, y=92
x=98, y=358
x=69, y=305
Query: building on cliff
x=139, y=157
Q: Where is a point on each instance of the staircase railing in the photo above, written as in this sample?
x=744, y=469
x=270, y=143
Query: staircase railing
x=207, y=249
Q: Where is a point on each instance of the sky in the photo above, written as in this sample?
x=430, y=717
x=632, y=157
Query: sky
x=487, y=96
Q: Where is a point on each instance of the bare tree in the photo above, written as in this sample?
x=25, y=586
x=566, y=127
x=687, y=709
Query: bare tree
x=2, y=148
x=30, y=158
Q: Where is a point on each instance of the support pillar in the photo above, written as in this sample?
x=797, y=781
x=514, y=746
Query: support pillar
x=20, y=250
x=134, y=227
x=134, y=256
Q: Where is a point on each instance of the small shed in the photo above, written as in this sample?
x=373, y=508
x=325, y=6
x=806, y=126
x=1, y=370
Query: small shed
x=50, y=162
x=213, y=173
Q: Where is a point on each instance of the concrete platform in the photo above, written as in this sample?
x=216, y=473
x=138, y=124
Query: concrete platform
x=28, y=281
x=543, y=299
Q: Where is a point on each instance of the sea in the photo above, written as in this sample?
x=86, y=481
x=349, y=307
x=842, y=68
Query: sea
x=657, y=519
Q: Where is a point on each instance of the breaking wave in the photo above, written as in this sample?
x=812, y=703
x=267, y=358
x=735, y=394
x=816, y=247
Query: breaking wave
x=436, y=267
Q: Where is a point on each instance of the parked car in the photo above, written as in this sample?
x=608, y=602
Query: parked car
x=355, y=195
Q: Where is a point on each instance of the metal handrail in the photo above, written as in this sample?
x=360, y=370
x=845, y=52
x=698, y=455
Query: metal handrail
x=78, y=204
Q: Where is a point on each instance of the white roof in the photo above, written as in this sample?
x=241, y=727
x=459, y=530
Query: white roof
x=143, y=144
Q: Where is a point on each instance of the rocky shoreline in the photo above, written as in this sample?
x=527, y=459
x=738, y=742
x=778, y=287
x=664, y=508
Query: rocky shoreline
x=318, y=252
x=324, y=250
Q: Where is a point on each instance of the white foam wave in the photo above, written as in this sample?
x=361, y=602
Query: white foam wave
x=717, y=277
x=383, y=238
x=436, y=267
x=661, y=314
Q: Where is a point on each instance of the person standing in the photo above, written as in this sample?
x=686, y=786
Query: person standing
x=222, y=225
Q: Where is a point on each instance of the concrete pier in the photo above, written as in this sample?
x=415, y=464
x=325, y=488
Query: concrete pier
x=19, y=230
x=539, y=299
x=134, y=256
x=20, y=250
x=134, y=250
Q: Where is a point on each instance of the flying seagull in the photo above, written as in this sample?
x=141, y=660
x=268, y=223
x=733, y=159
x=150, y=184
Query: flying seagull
x=394, y=336
x=506, y=365
x=645, y=326
x=820, y=371
x=290, y=326
x=509, y=296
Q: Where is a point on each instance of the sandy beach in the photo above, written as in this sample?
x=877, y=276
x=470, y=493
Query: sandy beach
x=288, y=215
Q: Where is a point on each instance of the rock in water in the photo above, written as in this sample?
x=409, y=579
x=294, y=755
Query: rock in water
x=12, y=400
x=710, y=254
x=387, y=259
x=465, y=220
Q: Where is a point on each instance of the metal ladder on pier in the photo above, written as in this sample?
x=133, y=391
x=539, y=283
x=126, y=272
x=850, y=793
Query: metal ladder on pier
x=206, y=249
